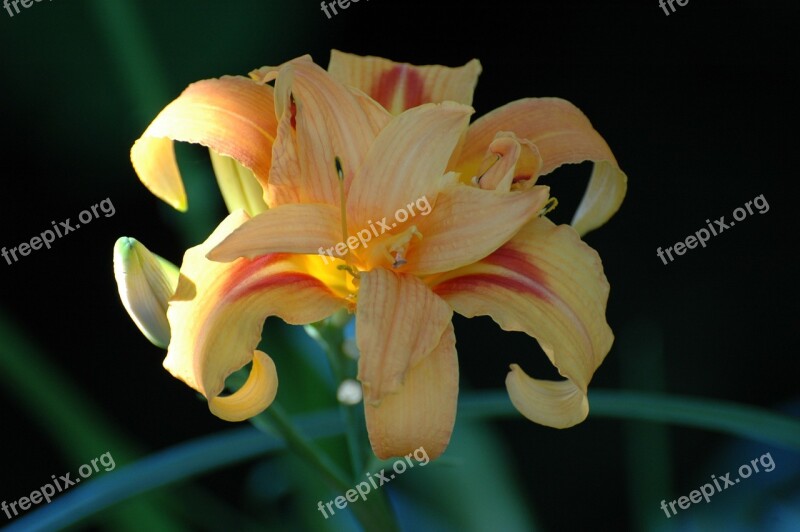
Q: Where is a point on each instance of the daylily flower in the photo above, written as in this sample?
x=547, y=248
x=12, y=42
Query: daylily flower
x=342, y=150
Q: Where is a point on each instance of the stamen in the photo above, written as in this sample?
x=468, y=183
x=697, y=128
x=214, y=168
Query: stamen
x=476, y=180
x=342, y=204
x=399, y=260
x=551, y=204
x=349, y=269
x=396, y=249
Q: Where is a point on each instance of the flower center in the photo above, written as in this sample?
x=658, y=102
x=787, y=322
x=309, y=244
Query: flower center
x=395, y=247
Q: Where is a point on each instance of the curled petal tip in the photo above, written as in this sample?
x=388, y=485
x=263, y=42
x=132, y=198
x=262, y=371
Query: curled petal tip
x=253, y=397
x=557, y=404
x=145, y=282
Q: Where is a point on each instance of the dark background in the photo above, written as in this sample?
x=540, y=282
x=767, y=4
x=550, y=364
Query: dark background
x=699, y=108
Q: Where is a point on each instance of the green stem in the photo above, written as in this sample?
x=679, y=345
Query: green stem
x=330, y=337
x=373, y=513
x=275, y=417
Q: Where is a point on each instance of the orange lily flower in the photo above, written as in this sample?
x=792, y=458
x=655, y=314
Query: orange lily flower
x=355, y=147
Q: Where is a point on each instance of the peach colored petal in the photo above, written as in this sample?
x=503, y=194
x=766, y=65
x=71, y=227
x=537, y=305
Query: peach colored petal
x=231, y=115
x=399, y=321
x=218, y=310
x=509, y=161
x=291, y=228
x=401, y=86
x=466, y=224
x=320, y=119
x=406, y=161
x=421, y=414
x=563, y=135
x=550, y=285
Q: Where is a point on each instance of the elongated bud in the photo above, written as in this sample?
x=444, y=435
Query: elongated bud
x=240, y=188
x=145, y=282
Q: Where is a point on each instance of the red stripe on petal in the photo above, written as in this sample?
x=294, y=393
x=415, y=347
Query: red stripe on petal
x=246, y=268
x=518, y=262
x=522, y=276
x=279, y=279
x=469, y=283
x=401, y=77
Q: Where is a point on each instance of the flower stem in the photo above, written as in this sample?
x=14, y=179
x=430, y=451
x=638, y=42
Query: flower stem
x=330, y=336
x=373, y=513
x=275, y=417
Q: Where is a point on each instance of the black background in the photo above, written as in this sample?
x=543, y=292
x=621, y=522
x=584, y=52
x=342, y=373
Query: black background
x=699, y=108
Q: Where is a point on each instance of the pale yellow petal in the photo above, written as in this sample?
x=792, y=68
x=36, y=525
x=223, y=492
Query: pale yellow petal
x=240, y=188
x=420, y=415
x=232, y=116
x=558, y=404
x=255, y=395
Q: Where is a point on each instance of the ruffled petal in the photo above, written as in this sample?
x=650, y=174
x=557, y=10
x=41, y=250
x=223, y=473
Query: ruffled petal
x=291, y=228
x=399, y=322
x=562, y=134
x=232, y=116
x=145, y=282
x=509, y=161
x=401, y=86
x=320, y=119
x=422, y=412
x=466, y=224
x=550, y=285
x=406, y=161
x=218, y=312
